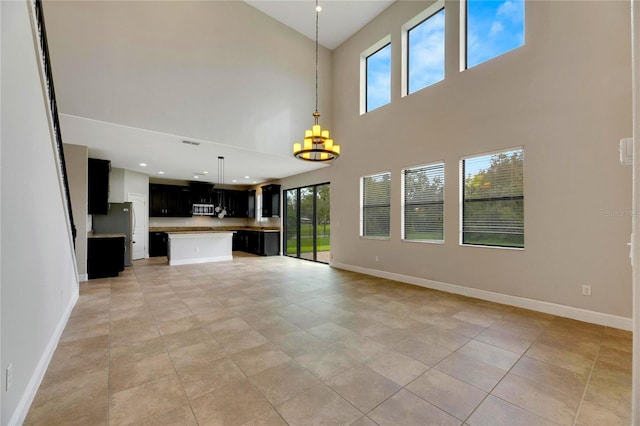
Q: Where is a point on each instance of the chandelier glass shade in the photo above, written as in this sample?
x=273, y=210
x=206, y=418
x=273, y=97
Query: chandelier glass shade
x=317, y=145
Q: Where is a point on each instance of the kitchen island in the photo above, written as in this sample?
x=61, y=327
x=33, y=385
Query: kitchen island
x=186, y=248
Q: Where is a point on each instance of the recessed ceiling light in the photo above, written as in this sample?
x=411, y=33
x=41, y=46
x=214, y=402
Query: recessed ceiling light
x=247, y=177
x=143, y=164
x=205, y=172
x=196, y=177
x=160, y=173
x=255, y=181
x=234, y=180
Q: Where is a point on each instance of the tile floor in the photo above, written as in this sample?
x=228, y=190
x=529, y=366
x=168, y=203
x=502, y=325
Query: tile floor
x=276, y=341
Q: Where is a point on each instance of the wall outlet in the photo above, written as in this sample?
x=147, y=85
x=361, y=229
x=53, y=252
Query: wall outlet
x=586, y=290
x=9, y=376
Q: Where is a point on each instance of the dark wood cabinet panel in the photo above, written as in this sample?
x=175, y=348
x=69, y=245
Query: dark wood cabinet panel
x=257, y=242
x=98, y=186
x=157, y=244
x=169, y=200
x=270, y=200
x=105, y=257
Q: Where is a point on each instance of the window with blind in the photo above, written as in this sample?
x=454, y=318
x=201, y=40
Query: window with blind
x=376, y=206
x=423, y=203
x=493, y=199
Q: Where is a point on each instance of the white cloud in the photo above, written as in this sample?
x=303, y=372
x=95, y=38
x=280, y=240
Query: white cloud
x=511, y=10
x=496, y=28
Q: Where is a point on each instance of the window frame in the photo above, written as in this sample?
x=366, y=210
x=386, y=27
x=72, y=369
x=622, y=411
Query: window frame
x=464, y=30
x=461, y=182
x=403, y=203
x=362, y=206
x=375, y=48
x=417, y=20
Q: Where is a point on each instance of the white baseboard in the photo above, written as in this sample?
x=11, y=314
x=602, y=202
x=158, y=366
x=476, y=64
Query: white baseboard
x=22, y=409
x=83, y=277
x=517, y=301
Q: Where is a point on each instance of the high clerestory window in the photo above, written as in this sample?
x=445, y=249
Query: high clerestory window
x=375, y=206
x=490, y=28
x=423, y=203
x=423, y=49
x=375, y=76
x=493, y=199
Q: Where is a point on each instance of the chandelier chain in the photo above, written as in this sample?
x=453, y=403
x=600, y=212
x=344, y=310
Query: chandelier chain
x=317, y=13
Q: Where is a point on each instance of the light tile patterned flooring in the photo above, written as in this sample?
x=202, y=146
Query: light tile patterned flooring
x=275, y=341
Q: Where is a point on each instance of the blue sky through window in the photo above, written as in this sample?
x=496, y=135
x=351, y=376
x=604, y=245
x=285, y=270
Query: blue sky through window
x=426, y=52
x=493, y=28
x=379, y=78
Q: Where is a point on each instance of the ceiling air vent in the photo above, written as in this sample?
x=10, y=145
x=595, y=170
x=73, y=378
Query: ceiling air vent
x=191, y=143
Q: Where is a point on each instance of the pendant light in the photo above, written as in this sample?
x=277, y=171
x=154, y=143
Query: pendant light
x=221, y=209
x=317, y=145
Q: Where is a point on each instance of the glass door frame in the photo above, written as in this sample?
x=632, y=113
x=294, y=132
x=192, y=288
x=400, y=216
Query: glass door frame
x=314, y=221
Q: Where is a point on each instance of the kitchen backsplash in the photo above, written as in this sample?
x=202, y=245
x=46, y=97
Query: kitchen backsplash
x=211, y=221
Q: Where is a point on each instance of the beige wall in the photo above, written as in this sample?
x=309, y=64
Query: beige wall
x=76, y=160
x=195, y=68
x=565, y=96
x=38, y=271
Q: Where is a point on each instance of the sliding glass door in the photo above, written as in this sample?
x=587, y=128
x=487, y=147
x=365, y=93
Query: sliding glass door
x=307, y=223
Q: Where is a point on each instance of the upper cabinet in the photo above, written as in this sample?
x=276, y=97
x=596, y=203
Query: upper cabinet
x=270, y=200
x=169, y=201
x=177, y=201
x=98, y=186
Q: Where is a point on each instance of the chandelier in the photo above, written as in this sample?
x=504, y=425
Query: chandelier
x=221, y=210
x=317, y=145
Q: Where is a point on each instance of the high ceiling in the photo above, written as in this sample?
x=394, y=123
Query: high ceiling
x=128, y=144
x=338, y=20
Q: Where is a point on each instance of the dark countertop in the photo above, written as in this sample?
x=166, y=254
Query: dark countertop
x=92, y=235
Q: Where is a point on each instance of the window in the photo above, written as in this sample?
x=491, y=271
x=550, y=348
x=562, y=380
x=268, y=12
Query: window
x=493, y=199
x=492, y=28
x=376, y=206
x=423, y=203
x=375, y=68
x=424, y=47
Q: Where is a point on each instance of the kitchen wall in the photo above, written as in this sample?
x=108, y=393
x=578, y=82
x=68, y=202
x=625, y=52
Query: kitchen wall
x=195, y=221
x=38, y=272
x=76, y=160
x=565, y=96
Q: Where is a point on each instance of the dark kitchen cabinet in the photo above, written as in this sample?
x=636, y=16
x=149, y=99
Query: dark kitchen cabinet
x=257, y=242
x=239, y=203
x=201, y=192
x=270, y=244
x=105, y=256
x=98, y=186
x=169, y=200
x=251, y=203
x=157, y=244
x=270, y=200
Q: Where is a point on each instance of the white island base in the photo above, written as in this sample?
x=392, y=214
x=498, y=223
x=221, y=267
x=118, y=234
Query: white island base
x=186, y=248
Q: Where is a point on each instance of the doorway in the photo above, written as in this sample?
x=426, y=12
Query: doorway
x=139, y=225
x=307, y=223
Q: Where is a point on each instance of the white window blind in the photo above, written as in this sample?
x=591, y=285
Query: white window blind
x=376, y=205
x=493, y=199
x=423, y=201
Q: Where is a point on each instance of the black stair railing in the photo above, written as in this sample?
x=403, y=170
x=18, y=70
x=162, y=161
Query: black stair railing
x=44, y=49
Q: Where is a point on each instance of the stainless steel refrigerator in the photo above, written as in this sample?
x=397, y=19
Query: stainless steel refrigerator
x=119, y=219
